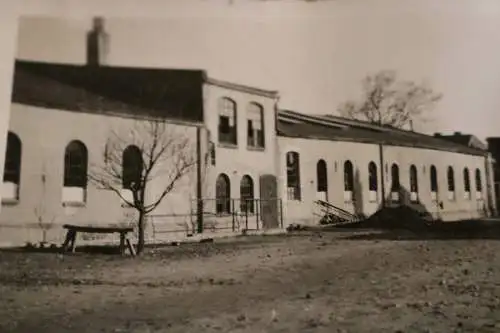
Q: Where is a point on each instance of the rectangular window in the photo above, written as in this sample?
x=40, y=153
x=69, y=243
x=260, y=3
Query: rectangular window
x=255, y=134
x=227, y=131
x=212, y=153
x=255, y=126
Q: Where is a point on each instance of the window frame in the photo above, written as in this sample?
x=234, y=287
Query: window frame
x=255, y=137
x=226, y=106
x=247, y=195
x=223, y=203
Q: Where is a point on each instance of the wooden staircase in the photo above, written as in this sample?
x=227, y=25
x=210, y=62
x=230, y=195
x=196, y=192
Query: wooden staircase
x=330, y=214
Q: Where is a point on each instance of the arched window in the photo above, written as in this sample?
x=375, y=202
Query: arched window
x=372, y=182
x=12, y=167
x=434, y=182
x=255, y=125
x=434, y=179
x=321, y=176
x=372, y=177
x=75, y=173
x=348, y=176
x=223, y=194
x=227, y=121
x=395, y=185
x=450, y=175
x=467, y=183
x=293, y=175
x=75, y=165
x=246, y=194
x=132, y=165
x=413, y=183
x=479, y=185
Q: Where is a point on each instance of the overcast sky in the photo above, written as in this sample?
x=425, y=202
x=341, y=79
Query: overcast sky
x=315, y=54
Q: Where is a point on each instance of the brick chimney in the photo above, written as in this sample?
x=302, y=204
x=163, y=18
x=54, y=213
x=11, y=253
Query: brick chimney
x=97, y=43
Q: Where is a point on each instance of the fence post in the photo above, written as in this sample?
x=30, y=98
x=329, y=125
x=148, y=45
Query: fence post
x=199, y=179
x=232, y=213
x=281, y=213
x=246, y=214
x=257, y=211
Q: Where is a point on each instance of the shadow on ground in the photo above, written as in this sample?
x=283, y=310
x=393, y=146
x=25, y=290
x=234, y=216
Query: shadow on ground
x=457, y=230
x=174, y=247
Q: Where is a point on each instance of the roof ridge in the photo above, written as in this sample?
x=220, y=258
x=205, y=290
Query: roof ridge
x=83, y=65
x=363, y=133
x=242, y=87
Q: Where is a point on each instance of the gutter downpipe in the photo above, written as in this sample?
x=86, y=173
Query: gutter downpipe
x=382, y=169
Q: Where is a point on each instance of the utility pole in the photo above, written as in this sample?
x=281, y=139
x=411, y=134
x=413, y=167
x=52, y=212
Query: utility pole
x=382, y=171
x=381, y=160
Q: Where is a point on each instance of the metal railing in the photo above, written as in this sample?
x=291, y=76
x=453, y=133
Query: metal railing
x=237, y=214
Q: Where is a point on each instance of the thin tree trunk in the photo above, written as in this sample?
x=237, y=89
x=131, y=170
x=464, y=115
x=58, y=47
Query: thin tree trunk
x=141, y=237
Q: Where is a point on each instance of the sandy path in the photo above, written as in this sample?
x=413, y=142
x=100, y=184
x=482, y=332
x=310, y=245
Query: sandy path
x=293, y=284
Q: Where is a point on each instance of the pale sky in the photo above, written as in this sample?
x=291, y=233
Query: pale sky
x=315, y=54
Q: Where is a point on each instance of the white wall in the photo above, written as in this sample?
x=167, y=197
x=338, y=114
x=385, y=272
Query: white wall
x=239, y=161
x=335, y=153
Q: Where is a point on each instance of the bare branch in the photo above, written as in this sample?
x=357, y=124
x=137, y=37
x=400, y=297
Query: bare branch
x=166, y=152
x=388, y=102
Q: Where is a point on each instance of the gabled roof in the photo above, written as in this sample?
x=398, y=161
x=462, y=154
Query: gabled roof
x=468, y=140
x=166, y=93
x=297, y=125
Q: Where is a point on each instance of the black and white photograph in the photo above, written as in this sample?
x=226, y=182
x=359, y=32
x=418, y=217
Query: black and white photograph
x=250, y=166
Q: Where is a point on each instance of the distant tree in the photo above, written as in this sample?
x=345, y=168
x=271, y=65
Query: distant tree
x=387, y=101
x=152, y=149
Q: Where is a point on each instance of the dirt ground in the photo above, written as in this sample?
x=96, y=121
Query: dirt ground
x=295, y=283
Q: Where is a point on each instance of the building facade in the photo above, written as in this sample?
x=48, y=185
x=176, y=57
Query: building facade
x=446, y=180
x=253, y=165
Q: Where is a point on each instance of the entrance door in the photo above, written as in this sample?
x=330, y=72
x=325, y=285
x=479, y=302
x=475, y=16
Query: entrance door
x=269, y=201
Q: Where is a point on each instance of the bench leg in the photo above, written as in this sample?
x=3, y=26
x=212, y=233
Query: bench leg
x=131, y=248
x=68, y=241
x=64, y=246
x=122, y=243
x=73, y=241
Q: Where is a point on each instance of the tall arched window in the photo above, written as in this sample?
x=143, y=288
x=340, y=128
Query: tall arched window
x=255, y=125
x=75, y=172
x=348, y=181
x=12, y=168
x=132, y=165
x=372, y=177
x=228, y=121
x=450, y=175
x=223, y=194
x=434, y=182
x=372, y=181
x=293, y=175
x=321, y=177
x=348, y=176
x=466, y=184
x=395, y=184
x=413, y=183
x=246, y=194
x=479, y=185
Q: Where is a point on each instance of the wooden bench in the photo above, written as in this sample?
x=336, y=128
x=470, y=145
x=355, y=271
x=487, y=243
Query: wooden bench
x=69, y=242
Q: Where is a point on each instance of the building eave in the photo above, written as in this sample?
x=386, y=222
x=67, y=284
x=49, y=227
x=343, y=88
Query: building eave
x=242, y=88
x=392, y=143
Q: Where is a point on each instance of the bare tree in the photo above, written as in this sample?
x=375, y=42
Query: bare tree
x=386, y=101
x=150, y=150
